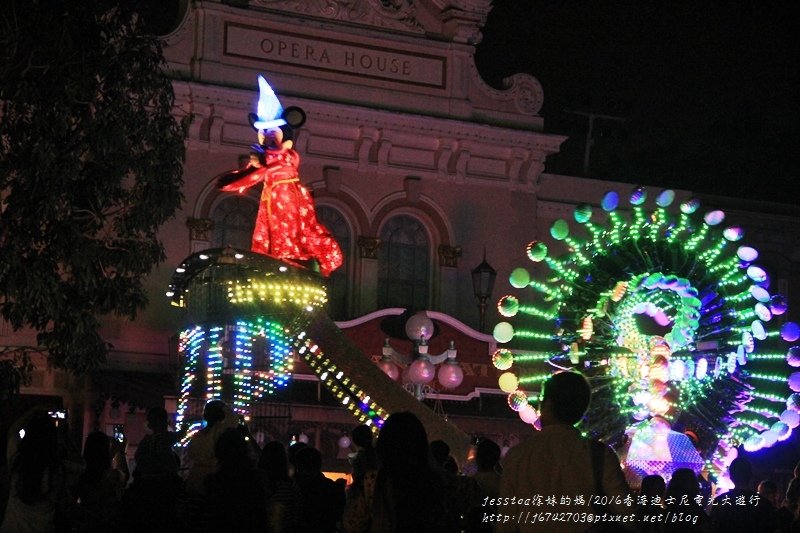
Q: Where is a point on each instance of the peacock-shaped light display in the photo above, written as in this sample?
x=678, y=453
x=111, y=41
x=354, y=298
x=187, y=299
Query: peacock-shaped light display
x=671, y=319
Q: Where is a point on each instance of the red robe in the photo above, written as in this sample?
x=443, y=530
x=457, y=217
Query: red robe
x=286, y=224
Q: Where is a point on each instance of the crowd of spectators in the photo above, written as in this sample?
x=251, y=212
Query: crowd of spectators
x=400, y=481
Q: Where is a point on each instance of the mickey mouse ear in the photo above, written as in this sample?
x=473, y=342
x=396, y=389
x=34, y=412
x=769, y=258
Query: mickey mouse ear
x=294, y=116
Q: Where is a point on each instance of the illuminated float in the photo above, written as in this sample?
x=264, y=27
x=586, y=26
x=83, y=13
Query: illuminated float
x=671, y=319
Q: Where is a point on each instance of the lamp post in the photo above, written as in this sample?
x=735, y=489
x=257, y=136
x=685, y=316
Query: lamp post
x=420, y=366
x=483, y=277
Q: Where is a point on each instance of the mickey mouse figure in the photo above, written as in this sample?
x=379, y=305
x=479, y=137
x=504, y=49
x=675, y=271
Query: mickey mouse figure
x=286, y=225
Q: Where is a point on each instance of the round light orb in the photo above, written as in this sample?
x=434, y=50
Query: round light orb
x=638, y=196
x=419, y=326
x=508, y=382
x=748, y=342
x=762, y=312
x=713, y=218
x=778, y=305
x=790, y=332
x=536, y=250
x=528, y=414
x=793, y=402
x=791, y=418
x=389, y=368
x=793, y=356
x=344, y=441
x=677, y=370
x=760, y=293
x=610, y=201
x=690, y=206
x=741, y=356
x=502, y=359
x=781, y=429
x=582, y=213
x=665, y=198
x=559, y=230
x=450, y=375
x=519, y=278
x=756, y=273
x=701, y=368
x=421, y=371
x=733, y=234
x=748, y=254
x=508, y=306
x=794, y=382
x=758, y=330
x=503, y=332
x=754, y=443
x=517, y=400
x=770, y=438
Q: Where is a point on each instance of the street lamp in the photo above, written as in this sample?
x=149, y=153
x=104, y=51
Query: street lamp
x=420, y=366
x=483, y=277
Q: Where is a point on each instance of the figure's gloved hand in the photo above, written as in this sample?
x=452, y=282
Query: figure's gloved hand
x=229, y=176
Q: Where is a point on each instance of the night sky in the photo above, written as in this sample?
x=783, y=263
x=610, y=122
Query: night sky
x=707, y=91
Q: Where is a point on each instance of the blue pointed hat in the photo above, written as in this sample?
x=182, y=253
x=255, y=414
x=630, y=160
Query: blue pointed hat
x=269, y=113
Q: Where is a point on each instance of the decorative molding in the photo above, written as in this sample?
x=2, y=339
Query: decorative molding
x=368, y=247
x=448, y=255
x=392, y=14
x=199, y=228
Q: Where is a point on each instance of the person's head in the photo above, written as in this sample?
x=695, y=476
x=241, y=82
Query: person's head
x=362, y=436
x=653, y=485
x=273, y=461
x=308, y=461
x=768, y=490
x=741, y=472
x=792, y=498
x=37, y=452
x=214, y=412
x=402, y=444
x=157, y=419
x=565, y=398
x=683, y=482
x=487, y=455
x=97, y=451
x=440, y=451
x=231, y=450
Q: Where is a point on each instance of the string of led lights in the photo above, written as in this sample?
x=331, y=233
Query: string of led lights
x=246, y=313
x=663, y=314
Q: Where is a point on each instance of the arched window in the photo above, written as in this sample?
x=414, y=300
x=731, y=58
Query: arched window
x=337, y=282
x=403, y=264
x=234, y=219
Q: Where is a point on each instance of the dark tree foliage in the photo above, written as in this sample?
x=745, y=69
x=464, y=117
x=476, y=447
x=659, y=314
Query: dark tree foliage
x=90, y=167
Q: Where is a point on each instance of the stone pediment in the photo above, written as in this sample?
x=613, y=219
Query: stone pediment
x=397, y=15
x=454, y=20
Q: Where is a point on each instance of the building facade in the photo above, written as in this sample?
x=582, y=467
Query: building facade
x=418, y=167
